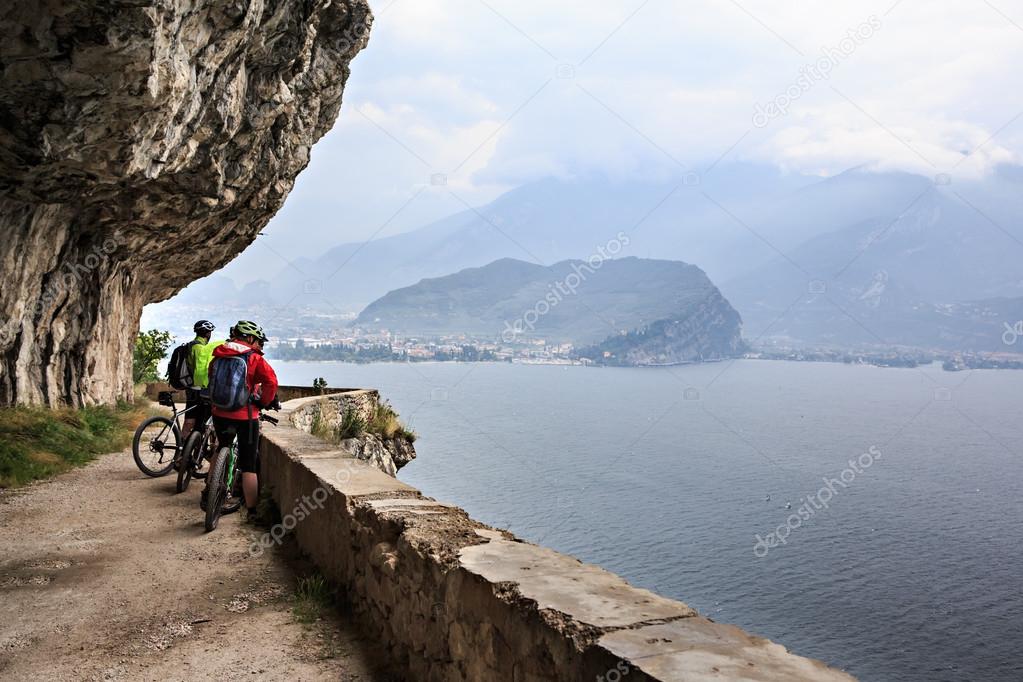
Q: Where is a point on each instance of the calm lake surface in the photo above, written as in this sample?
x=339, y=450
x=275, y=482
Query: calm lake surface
x=913, y=571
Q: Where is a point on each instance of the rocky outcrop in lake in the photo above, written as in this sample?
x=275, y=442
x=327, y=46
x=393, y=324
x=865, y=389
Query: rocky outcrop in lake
x=707, y=329
x=143, y=145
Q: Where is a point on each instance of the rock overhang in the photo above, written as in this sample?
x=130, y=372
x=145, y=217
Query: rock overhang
x=143, y=145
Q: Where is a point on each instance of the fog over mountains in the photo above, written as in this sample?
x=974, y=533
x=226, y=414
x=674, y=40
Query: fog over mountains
x=859, y=258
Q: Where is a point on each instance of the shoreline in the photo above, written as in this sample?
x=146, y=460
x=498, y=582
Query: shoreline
x=1009, y=365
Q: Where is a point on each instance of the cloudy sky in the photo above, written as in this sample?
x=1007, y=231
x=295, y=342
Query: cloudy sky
x=457, y=101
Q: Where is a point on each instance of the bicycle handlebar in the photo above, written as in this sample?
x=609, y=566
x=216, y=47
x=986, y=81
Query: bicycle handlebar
x=268, y=418
x=275, y=405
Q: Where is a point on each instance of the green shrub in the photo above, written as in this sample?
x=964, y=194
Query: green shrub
x=150, y=348
x=313, y=596
x=351, y=426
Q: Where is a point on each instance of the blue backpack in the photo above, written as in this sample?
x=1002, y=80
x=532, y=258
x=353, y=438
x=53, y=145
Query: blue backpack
x=229, y=389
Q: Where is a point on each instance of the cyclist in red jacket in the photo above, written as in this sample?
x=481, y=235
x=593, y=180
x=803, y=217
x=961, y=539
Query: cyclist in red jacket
x=261, y=381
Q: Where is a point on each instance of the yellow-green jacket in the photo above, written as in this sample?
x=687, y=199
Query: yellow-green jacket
x=199, y=361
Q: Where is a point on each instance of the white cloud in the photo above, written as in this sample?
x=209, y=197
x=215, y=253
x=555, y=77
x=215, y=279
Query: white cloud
x=447, y=77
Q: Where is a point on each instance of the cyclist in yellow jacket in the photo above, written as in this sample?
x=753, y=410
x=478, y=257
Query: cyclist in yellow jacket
x=198, y=361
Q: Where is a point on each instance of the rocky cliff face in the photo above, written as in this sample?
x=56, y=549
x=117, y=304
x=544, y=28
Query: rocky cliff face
x=144, y=144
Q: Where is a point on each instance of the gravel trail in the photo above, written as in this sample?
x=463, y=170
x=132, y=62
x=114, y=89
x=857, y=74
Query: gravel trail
x=107, y=575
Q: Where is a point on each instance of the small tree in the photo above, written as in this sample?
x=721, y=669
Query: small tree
x=150, y=348
x=320, y=384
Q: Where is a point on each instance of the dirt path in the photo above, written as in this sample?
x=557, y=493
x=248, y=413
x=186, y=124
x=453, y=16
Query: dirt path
x=105, y=574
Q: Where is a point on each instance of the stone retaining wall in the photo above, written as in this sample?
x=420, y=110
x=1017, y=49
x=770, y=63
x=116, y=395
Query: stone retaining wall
x=453, y=599
x=285, y=393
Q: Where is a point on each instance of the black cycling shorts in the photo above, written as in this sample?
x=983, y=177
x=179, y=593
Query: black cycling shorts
x=247, y=431
x=199, y=410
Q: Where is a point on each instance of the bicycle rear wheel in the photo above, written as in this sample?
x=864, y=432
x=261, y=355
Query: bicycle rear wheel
x=187, y=463
x=155, y=445
x=204, y=454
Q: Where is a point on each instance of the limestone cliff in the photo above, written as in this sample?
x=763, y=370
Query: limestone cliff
x=144, y=144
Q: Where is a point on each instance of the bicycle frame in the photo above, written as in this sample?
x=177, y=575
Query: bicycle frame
x=181, y=415
x=177, y=416
x=232, y=460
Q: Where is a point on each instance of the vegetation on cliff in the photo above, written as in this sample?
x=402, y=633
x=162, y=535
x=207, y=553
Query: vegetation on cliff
x=386, y=424
x=383, y=422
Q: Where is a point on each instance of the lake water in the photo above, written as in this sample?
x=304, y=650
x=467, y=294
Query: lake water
x=912, y=571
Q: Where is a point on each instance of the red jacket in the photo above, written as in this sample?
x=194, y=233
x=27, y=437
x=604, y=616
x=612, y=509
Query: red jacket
x=261, y=379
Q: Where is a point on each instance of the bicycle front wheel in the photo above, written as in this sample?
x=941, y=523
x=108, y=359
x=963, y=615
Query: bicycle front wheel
x=155, y=446
x=216, y=486
x=233, y=502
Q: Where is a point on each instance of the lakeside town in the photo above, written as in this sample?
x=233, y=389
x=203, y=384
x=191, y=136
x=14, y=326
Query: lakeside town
x=315, y=336
x=368, y=346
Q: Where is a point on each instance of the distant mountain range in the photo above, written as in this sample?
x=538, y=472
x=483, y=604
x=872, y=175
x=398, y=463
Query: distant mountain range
x=627, y=311
x=937, y=275
x=859, y=258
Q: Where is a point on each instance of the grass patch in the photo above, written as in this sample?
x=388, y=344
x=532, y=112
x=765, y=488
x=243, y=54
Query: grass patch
x=383, y=422
x=350, y=426
x=386, y=424
x=36, y=442
x=313, y=596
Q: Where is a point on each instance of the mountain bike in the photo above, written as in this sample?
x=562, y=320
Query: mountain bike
x=199, y=447
x=156, y=443
x=223, y=483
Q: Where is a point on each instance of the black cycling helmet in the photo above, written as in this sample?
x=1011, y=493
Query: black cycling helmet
x=203, y=326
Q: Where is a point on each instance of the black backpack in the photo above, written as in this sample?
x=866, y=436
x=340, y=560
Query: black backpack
x=178, y=373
